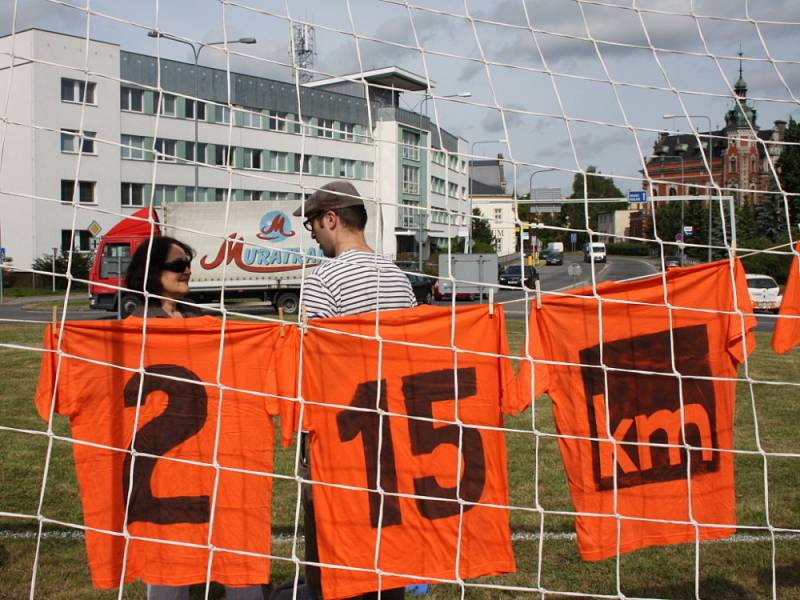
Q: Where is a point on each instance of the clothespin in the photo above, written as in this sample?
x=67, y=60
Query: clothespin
x=491, y=302
x=303, y=318
x=538, y=288
x=280, y=316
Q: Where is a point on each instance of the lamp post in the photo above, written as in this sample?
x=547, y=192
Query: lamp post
x=710, y=164
x=197, y=47
x=530, y=197
x=467, y=244
x=423, y=104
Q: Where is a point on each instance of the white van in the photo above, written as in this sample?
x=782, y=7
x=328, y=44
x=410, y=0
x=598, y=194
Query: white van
x=764, y=293
x=595, y=251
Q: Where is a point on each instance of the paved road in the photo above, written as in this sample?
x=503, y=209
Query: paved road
x=553, y=278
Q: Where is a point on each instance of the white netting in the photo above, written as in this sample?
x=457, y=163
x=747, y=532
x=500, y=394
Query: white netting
x=515, y=130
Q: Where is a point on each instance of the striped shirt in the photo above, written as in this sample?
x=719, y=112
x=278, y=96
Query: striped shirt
x=356, y=282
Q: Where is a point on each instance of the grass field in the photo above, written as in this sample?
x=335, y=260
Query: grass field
x=742, y=569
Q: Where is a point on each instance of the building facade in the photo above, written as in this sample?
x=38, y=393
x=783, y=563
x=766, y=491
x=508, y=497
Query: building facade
x=96, y=133
x=739, y=156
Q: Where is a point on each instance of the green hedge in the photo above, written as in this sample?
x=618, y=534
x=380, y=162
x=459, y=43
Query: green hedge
x=628, y=249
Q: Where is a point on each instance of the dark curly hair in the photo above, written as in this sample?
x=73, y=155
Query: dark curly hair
x=134, y=278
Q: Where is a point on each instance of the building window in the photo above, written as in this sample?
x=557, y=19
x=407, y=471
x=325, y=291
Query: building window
x=306, y=163
x=369, y=170
x=132, y=146
x=673, y=191
x=325, y=128
x=347, y=168
x=732, y=164
x=452, y=189
x=222, y=114
x=279, y=196
x=277, y=120
x=252, y=195
x=410, y=180
x=279, y=161
x=753, y=164
x=82, y=242
x=438, y=158
x=131, y=99
x=452, y=162
x=410, y=145
x=85, y=191
x=348, y=131
x=498, y=214
x=132, y=194
x=73, y=90
x=166, y=106
x=191, y=105
x=223, y=156
x=165, y=150
x=200, y=156
x=326, y=166
x=71, y=141
x=221, y=194
x=165, y=193
x=437, y=185
x=250, y=118
x=252, y=158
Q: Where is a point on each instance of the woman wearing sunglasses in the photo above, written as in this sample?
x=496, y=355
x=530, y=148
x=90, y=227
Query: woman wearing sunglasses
x=168, y=276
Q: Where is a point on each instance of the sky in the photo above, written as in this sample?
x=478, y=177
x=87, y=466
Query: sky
x=565, y=83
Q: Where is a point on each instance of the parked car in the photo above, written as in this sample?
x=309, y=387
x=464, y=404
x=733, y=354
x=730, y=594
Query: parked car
x=552, y=256
x=671, y=262
x=422, y=287
x=764, y=293
x=512, y=275
x=443, y=290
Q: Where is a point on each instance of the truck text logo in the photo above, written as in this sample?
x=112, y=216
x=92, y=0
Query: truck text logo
x=644, y=411
x=260, y=260
x=275, y=226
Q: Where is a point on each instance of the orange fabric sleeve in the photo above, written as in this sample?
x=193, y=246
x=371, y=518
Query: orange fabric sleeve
x=736, y=348
x=787, y=327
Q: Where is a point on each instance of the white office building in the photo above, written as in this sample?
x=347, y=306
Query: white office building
x=93, y=136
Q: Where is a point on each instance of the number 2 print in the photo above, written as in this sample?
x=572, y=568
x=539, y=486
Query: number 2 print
x=420, y=391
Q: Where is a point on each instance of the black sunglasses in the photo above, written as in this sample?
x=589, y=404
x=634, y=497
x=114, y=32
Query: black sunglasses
x=178, y=265
x=308, y=224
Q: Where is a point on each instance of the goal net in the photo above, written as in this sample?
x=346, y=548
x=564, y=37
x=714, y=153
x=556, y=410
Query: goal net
x=599, y=199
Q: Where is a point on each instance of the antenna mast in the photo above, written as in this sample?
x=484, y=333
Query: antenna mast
x=304, y=44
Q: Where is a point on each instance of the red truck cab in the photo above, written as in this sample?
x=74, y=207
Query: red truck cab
x=112, y=258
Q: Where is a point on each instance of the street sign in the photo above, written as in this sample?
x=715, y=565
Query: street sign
x=688, y=230
x=573, y=237
x=678, y=237
x=525, y=235
x=94, y=228
x=2, y=254
x=637, y=197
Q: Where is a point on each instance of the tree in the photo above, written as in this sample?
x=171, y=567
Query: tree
x=788, y=167
x=594, y=185
x=481, y=233
x=81, y=263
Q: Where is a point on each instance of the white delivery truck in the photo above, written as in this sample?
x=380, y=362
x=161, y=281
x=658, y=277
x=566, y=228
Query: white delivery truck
x=253, y=249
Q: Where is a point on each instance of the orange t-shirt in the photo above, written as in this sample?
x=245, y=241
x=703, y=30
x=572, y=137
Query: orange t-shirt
x=180, y=411
x=787, y=326
x=432, y=463
x=635, y=400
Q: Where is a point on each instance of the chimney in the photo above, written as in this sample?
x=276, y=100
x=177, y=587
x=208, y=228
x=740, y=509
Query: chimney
x=502, y=171
x=780, y=130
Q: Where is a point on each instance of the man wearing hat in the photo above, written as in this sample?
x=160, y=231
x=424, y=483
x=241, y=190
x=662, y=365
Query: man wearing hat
x=354, y=281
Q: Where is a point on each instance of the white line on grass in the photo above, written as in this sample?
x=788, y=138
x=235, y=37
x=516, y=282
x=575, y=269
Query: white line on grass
x=738, y=538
